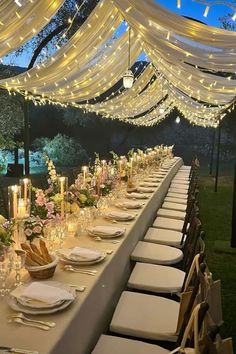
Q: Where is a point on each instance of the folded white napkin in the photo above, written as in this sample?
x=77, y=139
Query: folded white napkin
x=149, y=184
x=137, y=196
x=45, y=293
x=107, y=230
x=131, y=204
x=119, y=215
x=146, y=189
x=81, y=253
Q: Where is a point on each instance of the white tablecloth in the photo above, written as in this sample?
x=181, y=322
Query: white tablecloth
x=79, y=327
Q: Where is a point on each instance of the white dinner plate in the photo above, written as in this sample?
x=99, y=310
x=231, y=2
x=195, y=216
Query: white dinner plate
x=41, y=308
x=119, y=216
x=95, y=231
x=64, y=257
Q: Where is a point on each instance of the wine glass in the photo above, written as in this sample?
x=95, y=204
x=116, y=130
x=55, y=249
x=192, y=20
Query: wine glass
x=5, y=269
x=17, y=264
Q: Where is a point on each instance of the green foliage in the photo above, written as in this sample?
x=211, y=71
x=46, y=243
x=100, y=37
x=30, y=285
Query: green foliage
x=63, y=150
x=216, y=215
x=11, y=113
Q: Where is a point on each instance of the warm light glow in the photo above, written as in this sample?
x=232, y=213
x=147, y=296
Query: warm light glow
x=206, y=11
x=18, y=3
x=177, y=120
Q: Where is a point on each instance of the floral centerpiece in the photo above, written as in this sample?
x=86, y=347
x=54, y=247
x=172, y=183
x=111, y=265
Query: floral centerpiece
x=80, y=195
x=47, y=203
x=33, y=228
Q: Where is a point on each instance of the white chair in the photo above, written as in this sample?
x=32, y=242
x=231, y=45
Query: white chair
x=171, y=214
x=176, y=200
x=165, y=237
x=108, y=344
x=156, y=254
x=170, y=237
x=174, y=206
x=178, y=191
x=169, y=224
x=177, y=195
x=163, y=279
x=153, y=317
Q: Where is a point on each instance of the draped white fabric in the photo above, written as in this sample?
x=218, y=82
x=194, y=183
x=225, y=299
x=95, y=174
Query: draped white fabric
x=19, y=24
x=193, y=64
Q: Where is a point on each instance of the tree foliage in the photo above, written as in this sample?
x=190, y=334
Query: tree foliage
x=62, y=17
x=62, y=149
x=11, y=113
x=227, y=22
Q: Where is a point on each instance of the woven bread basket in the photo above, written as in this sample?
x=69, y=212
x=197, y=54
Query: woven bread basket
x=43, y=272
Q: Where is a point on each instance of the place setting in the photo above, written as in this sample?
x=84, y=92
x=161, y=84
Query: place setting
x=144, y=189
x=81, y=256
x=106, y=233
x=39, y=298
x=136, y=195
x=129, y=204
x=116, y=216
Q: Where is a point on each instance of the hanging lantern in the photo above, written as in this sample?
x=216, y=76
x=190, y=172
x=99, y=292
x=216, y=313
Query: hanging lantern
x=161, y=110
x=128, y=79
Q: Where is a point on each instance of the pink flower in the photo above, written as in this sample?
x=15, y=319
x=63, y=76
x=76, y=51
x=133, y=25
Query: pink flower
x=37, y=230
x=50, y=207
x=28, y=232
x=40, y=198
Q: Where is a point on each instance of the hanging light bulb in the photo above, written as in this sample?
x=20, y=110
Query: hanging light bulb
x=177, y=120
x=206, y=11
x=18, y=3
x=128, y=78
x=161, y=110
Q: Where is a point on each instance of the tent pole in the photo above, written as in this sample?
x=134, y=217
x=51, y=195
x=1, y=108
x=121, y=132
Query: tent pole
x=218, y=156
x=26, y=137
x=233, y=229
x=212, y=152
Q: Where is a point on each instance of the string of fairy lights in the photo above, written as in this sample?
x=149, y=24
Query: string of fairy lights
x=183, y=71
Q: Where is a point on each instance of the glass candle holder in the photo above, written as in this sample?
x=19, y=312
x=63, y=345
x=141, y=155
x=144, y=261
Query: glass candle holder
x=26, y=185
x=63, y=189
x=14, y=195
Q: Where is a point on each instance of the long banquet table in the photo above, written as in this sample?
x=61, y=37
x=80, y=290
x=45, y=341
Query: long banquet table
x=79, y=326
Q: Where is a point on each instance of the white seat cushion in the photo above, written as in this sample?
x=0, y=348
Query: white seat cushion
x=169, y=224
x=118, y=345
x=174, y=206
x=177, y=195
x=156, y=254
x=178, y=191
x=172, y=214
x=156, y=278
x=176, y=200
x=164, y=237
x=179, y=186
x=146, y=316
x=185, y=167
x=180, y=181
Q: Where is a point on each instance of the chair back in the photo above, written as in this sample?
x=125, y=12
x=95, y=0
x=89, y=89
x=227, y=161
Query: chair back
x=187, y=304
x=190, y=245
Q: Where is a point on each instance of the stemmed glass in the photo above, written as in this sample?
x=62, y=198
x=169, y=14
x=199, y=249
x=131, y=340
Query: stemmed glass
x=17, y=264
x=4, y=272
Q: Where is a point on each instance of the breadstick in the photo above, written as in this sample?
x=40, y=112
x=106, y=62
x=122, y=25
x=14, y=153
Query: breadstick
x=36, y=258
x=29, y=261
x=25, y=247
x=44, y=251
x=35, y=249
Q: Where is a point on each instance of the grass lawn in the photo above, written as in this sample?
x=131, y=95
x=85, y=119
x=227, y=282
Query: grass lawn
x=216, y=216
